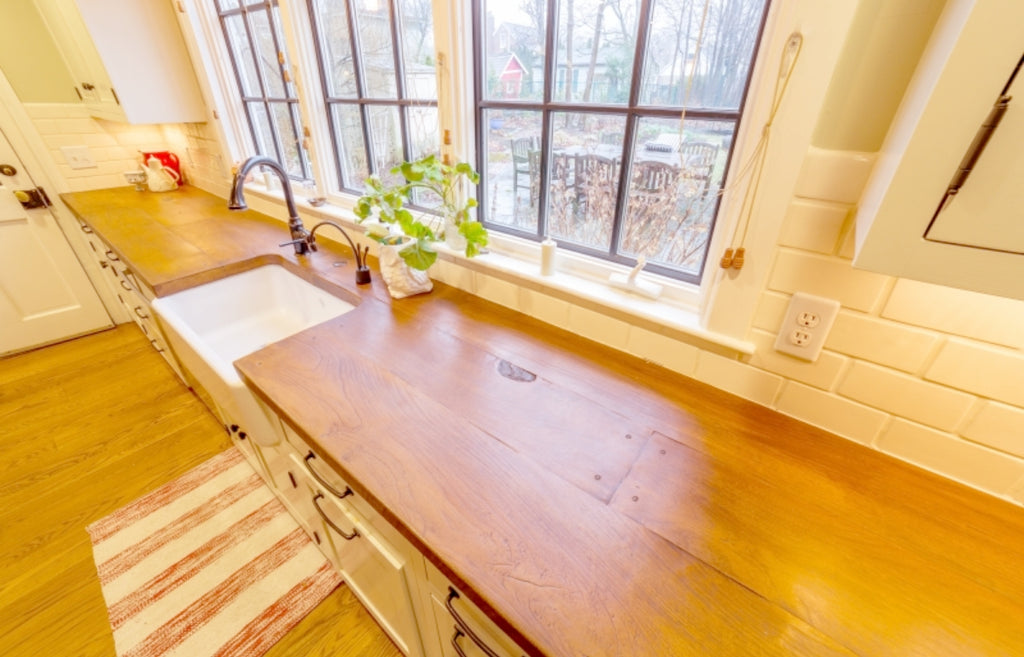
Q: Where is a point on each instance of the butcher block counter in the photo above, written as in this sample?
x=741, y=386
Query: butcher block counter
x=589, y=502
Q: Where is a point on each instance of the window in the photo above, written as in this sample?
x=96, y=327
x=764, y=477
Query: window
x=580, y=127
x=256, y=46
x=608, y=125
x=380, y=88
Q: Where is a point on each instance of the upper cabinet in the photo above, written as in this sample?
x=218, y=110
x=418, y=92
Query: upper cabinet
x=945, y=203
x=128, y=59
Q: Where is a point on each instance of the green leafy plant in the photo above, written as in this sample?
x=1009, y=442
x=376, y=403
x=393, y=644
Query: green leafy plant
x=445, y=182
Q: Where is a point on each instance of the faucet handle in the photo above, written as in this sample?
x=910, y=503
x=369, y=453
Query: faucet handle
x=308, y=241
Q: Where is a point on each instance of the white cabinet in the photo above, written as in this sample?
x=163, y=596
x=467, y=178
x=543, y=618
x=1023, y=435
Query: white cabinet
x=919, y=216
x=134, y=296
x=376, y=562
x=463, y=630
x=128, y=59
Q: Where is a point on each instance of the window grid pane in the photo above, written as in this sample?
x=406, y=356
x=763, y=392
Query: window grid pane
x=617, y=177
x=389, y=87
x=253, y=35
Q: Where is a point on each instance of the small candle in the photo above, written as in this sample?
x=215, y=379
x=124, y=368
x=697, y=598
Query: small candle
x=548, y=251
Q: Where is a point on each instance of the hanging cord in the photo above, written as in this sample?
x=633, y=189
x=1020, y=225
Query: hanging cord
x=689, y=84
x=735, y=256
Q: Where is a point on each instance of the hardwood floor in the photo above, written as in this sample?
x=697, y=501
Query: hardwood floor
x=87, y=426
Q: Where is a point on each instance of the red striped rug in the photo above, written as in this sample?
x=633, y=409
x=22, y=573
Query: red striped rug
x=209, y=565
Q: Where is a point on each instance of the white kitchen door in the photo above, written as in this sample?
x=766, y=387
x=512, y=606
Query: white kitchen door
x=45, y=295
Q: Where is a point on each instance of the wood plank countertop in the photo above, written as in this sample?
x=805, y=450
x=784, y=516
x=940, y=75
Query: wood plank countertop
x=592, y=503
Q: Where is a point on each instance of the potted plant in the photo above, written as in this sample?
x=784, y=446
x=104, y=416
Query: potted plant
x=419, y=233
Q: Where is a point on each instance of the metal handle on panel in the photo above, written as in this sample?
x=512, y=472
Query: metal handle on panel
x=125, y=284
x=465, y=629
x=316, y=503
x=455, y=642
x=111, y=255
x=156, y=345
x=85, y=228
x=330, y=489
x=141, y=315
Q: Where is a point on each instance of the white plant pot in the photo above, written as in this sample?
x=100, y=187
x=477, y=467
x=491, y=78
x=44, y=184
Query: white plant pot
x=401, y=279
x=452, y=238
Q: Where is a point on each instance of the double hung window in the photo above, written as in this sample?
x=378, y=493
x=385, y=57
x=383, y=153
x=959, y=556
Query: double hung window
x=252, y=31
x=380, y=91
x=608, y=125
x=580, y=127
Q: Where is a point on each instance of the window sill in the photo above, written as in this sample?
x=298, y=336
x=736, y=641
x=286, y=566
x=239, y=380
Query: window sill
x=577, y=280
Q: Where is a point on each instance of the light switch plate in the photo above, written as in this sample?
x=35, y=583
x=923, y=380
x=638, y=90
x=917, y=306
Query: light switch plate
x=78, y=157
x=806, y=325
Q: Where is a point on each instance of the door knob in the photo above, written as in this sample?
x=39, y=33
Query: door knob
x=32, y=198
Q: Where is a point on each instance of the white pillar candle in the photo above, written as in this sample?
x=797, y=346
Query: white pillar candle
x=548, y=252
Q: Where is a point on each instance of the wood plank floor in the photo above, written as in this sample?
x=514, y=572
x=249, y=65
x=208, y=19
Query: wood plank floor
x=87, y=426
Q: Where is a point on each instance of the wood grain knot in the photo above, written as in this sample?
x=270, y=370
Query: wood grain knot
x=514, y=372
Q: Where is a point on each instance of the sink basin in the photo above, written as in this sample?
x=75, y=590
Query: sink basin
x=212, y=325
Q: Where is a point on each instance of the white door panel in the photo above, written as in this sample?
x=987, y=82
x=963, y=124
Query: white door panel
x=45, y=295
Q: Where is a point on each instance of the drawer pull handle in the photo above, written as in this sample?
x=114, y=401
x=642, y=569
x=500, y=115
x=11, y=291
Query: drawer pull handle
x=125, y=284
x=156, y=345
x=463, y=628
x=348, y=537
x=141, y=315
x=330, y=489
x=111, y=255
x=85, y=229
x=455, y=642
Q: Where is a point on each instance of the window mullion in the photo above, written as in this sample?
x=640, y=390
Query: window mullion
x=357, y=71
x=622, y=197
x=545, y=121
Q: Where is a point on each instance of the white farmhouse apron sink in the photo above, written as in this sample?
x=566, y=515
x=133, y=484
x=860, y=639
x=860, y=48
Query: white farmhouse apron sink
x=215, y=324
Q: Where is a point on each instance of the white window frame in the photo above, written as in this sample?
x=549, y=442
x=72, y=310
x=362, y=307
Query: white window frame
x=719, y=310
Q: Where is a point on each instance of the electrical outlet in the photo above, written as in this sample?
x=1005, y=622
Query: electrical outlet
x=806, y=325
x=78, y=157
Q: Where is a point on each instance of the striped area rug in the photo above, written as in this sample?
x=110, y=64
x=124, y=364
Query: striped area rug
x=209, y=565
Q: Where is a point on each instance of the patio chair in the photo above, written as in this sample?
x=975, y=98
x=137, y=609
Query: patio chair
x=521, y=148
x=698, y=163
x=652, y=205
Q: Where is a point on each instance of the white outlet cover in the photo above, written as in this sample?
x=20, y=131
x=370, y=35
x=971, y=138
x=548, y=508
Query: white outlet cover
x=78, y=157
x=825, y=309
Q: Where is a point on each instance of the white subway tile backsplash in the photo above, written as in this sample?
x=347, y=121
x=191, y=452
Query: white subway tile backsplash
x=998, y=426
x=945, y=454
x=822, y=373
x=771, y=310
x=497, y=290
x=813, y=225
x=959, y=312
x=831, y=412
x=886, y=343
x=825, y=276
x=75, y=126
x=598, y=327
x=544, y=307
x=832, y=175
x=738, y=378
x=980, y=369
x=905, y=396
x=663, y=350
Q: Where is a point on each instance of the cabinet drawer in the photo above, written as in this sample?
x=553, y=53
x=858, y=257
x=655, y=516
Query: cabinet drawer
x=297, y=491
x=464, y=630
x=375, y=571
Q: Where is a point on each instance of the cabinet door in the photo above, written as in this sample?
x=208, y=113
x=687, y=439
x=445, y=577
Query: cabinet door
x=298, y=492
x=144, y=55
x=71, y=35
x=375, y=571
